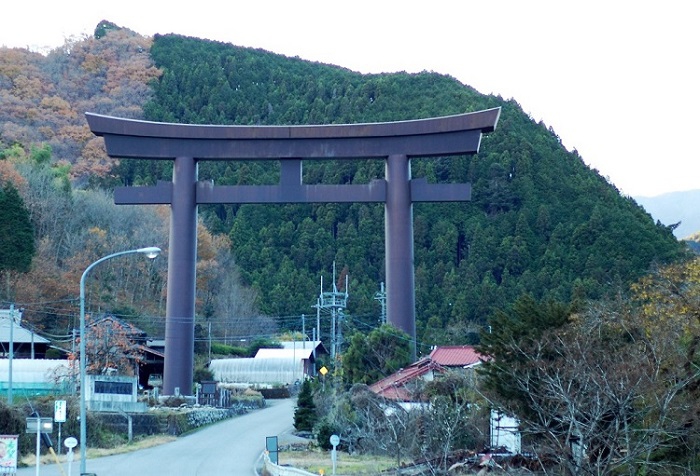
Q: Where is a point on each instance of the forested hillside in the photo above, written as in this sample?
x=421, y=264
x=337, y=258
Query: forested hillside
x=540, y=221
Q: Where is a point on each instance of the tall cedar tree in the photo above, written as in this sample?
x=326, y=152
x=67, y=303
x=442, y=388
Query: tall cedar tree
x=16, y=232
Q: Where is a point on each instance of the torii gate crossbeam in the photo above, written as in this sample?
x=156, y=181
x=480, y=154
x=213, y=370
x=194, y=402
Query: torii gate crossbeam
x=185, y=145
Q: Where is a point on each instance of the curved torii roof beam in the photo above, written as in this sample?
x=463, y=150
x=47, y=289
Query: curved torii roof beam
x=449, y=135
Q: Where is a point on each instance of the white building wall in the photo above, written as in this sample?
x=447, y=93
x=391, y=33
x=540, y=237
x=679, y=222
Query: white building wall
x=505, y=432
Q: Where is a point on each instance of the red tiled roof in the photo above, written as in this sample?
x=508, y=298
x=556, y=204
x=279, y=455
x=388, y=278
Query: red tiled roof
x=456, y=356
x=393, y=387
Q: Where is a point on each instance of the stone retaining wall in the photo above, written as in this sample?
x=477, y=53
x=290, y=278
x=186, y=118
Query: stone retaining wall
x=172, y=421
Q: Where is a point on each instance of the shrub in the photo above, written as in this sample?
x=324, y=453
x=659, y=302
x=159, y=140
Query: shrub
x=323, y=434
x=223, y=349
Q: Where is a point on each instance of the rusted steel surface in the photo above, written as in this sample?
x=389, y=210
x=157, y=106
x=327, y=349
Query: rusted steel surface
x=182, y=281
x=485, y=121
x=398, y=244
x=240, y=194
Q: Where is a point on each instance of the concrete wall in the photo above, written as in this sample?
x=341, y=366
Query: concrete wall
x=113, y=393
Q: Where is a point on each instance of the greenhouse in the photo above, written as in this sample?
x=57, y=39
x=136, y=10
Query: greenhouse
x=36, y=376
x=261, y=371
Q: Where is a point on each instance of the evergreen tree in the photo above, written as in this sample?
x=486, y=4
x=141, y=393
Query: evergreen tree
x=371, y=357
x=16, y=232
x=305, y=414
x=520, y=326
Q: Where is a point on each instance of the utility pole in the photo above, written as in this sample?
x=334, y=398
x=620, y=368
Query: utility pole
x=72, y=349
x=381, y=297
x=333, y=303
x=318, y=315
x=303, y=331
x=313, y=350
x=12, y=353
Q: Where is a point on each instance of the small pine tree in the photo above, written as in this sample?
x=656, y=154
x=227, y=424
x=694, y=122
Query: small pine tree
x=305, y=414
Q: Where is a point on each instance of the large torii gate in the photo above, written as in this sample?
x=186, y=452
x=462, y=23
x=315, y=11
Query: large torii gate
x=186, y=145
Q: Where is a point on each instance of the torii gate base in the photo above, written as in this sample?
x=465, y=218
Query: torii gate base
x=395, y=142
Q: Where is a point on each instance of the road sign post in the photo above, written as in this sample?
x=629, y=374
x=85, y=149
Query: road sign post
x=38, y=425
x=272, y=449
x=323, y=371
x=70, y=444
x=335, y=441
x=59, y=416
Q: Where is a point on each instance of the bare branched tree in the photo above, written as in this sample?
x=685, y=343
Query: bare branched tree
x=384, y=426
x=601, y=395
x=454, y=419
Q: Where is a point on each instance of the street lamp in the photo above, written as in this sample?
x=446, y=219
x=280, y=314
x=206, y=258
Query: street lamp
x=150, y=252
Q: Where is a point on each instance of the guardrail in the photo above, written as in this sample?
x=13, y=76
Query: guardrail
x=272, y=469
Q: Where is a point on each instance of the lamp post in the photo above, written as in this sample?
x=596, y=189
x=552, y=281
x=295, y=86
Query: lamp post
x=150, y=252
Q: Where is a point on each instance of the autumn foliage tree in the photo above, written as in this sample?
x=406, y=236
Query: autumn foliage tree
x=669, y=305
x=110, y=346
x=43, y=97
x=670, y=298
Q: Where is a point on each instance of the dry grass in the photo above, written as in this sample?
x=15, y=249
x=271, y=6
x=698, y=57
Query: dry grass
x=147, y=442
x=315, y=461
x=311, y=460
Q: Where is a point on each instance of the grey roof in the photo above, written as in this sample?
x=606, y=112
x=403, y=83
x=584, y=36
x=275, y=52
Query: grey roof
x=20, y=334
x=297, y=353
x=305, y=345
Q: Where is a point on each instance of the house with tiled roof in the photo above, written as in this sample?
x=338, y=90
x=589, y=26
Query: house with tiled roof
x=152, y=359
x=456, y=356
x=26, y=343
x=504, y=431
x=401, y=385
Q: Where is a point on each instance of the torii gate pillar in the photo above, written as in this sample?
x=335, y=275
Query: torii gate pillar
x=186, y=145
x=398, y=241
x=182, y=278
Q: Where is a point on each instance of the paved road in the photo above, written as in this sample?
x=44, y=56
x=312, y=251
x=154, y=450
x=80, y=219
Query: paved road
x=230, y=447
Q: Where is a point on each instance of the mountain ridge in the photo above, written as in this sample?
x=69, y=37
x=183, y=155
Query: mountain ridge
x=679, y=209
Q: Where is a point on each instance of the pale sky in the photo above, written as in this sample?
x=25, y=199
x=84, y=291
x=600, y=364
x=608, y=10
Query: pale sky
x=617, y=80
